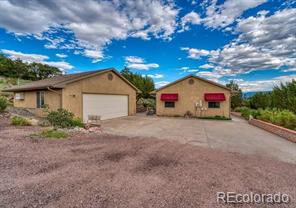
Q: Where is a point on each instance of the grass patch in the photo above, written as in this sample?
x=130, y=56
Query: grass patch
x=58, y=134
x=20, y=121
x=215, y=118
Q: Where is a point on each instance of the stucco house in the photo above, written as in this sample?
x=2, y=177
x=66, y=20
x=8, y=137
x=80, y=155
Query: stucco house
x=105, y=93
x=193, y=94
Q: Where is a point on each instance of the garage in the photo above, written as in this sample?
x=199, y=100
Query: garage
x=105, y=106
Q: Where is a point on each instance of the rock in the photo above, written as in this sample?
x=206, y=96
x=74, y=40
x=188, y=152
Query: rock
x=5, y=114
x=95, y=129
x=21, y=111
x=44, y=123
x=90, y=125
x=34, y=122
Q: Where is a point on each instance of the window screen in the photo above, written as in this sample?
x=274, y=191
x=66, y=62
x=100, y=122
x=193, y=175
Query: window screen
x=169, y=104
x=214, y=105
x=40, y=99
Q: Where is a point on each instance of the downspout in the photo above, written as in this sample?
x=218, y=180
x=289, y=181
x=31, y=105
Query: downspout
x=60, y=94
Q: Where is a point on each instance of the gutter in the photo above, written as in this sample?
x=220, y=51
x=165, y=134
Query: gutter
x=59, y=93
x=54, y=91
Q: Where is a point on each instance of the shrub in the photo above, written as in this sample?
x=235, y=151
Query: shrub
x=19, y=121
x=278, y=117
x=3, y=103
x=77, y=122
x=240, y=109
x=54, y=134
x=63, y=118
x=147, y=102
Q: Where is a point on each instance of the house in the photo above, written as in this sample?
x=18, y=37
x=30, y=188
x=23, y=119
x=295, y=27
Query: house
x=194, y=95
x=104, y=93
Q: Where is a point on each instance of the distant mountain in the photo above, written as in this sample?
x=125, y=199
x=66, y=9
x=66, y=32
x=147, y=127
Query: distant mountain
x=250, y=94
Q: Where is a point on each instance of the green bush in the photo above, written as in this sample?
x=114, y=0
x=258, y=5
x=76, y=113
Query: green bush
x=278, y=117
x=3, y=103
x=54, y=134
x=284, y=118
x=240, y=109
x=19, y=121
x=147, y=102
x=77, y=122
x=63, y=118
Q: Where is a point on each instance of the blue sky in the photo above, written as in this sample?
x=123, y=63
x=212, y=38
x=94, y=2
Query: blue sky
x=250, y=41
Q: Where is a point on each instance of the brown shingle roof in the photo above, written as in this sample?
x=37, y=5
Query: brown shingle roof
x=61, y=80
x=194, y=76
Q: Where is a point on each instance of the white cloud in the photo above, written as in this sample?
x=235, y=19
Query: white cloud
x=259, y=46
x=222, y=15
x=155, y=76
x=184, y=68
x=264, y=85
x=142, y=66
x=134, y=59
x=206, y=66
x=213, y=76
x=30, y=58
x=61, y=55
x=192, y=70
x=62, y=65
x=134, y=62
x=96, y=55
x=194, y=53
x=161, y=84
x=94, y=23
x=289, y=70
x=187, y=69
x=190, y=18
x=23, y=56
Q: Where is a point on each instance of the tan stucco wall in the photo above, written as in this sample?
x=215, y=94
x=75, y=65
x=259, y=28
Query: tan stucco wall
x=51, y=99
x=99, y=84
x=189, y=95
x=28, y=102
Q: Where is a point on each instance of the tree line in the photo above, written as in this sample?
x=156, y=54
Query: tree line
x=282, y=96
x=144, y=83
x=28, y=71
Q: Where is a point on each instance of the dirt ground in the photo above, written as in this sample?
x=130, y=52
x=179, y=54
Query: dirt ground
x=114, y=171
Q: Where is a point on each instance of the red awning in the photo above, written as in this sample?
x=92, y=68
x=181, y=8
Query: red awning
x=169, y=97
x=214, y=97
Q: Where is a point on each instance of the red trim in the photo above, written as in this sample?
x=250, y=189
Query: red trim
x=169, y=97
x=215, y=97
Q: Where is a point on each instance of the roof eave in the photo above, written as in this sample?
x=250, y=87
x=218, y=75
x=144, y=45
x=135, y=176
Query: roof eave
x=29, y=89
x=197, y=77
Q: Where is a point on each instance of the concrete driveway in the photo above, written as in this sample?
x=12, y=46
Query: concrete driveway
x=231, y=136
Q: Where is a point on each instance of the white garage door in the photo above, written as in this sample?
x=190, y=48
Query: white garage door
x=106, y=106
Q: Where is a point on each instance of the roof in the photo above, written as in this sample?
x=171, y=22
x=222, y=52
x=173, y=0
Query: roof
x=193, y=76
x=61, y=80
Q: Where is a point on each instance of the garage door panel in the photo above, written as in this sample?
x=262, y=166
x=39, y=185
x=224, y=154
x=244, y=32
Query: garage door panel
x=106, y=106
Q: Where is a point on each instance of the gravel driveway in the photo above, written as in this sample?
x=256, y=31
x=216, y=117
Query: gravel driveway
x=116, y=171
x=230, y=136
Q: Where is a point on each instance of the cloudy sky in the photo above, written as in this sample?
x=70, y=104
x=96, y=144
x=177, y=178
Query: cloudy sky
x=250, y=41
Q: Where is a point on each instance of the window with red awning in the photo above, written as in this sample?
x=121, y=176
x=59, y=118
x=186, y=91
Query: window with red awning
x=215, y=97
x=169, y=97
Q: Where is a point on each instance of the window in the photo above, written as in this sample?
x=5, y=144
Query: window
x=40, y=99
x=169, y=104
x=214, y=104
x=19, y=96
x=191, y=81
x=110, y=76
